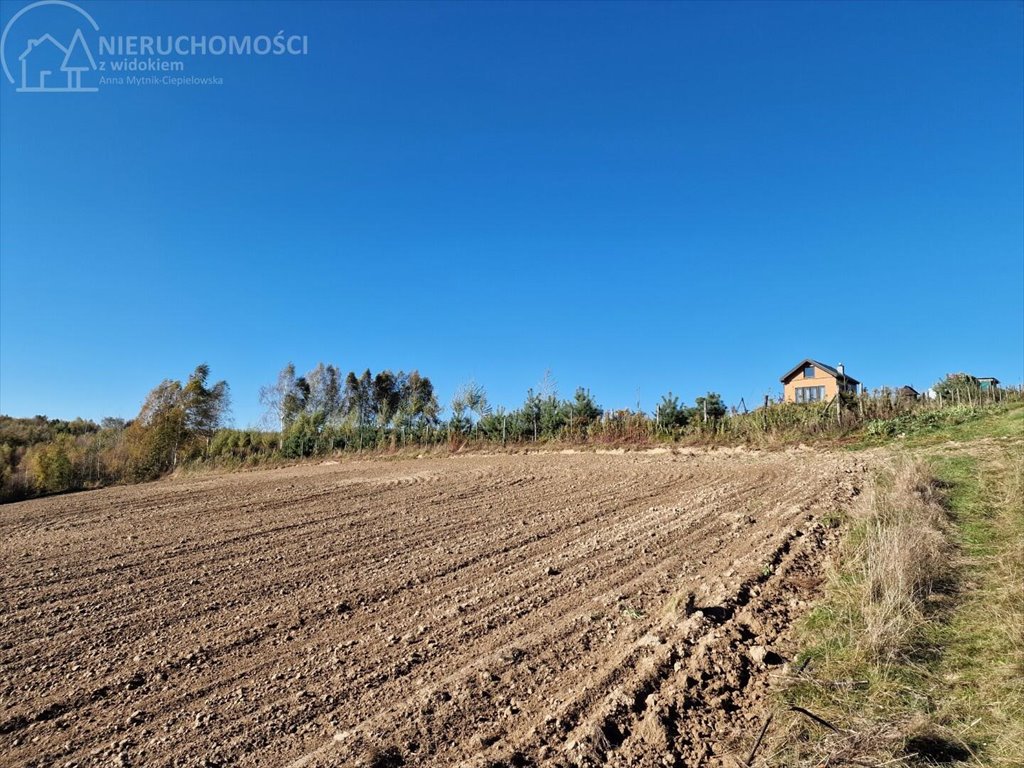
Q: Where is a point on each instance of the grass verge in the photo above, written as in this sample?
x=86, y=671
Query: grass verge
x=915, y=655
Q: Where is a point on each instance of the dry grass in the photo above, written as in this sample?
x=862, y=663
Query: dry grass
x=864, y=639
x=903, y=556
x=982, y=665
x=916, y=653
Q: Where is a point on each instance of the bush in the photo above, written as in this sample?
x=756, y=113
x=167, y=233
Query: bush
x=922, y=421
x=302, y=437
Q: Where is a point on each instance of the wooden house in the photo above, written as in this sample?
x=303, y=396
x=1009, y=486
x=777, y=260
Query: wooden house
x=812, y=382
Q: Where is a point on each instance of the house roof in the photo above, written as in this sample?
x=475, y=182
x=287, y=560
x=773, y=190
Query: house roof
x=826, y=368
x=906, y=389
x=988, y=378
x=34, y=44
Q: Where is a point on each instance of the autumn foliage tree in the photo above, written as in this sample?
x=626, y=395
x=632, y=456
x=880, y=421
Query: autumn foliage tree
x=176, y=420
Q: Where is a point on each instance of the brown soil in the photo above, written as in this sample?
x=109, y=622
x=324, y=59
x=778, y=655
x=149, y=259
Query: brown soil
x=558, y=609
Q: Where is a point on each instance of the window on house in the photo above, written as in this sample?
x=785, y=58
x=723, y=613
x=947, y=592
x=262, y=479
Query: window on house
x=810, y=394
x=809, y=372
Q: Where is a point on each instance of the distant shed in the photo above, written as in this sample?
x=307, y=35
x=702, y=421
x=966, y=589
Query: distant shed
x=907, y=392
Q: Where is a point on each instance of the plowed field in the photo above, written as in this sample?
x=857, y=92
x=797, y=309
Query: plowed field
x=542, y=609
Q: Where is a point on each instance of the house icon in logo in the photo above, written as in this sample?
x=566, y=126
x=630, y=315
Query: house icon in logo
x=49, y=67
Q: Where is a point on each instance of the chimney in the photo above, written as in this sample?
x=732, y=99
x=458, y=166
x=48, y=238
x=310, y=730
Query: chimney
x=842, y=369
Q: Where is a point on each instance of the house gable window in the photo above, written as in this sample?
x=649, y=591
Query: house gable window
x=810, y=394
x=809, y=372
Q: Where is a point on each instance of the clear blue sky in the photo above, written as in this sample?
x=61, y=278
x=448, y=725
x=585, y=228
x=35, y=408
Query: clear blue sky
x=641, y=198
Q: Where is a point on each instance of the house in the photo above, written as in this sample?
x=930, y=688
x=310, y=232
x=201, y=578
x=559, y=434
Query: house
x=907, y=392
x=811, y=382
x=41, y=63
x=988, y=384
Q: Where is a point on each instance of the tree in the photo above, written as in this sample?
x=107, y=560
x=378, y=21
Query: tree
x=710, y=407
x=553, y=415
x=670, y=415
x=584, y=411
x=296, y=401
x=958, y=387
x=205, y=408
x=472, y=398
x=51, y=465
x=543, y=411
x=77, y=60
x=531, y=412
x=418, y=405
x=584, y=408
x=285, y=399
x=156, y=433
x=171, y=417
x=387, y=396
x=357, y=402
x=113, y=424
x=324, y=391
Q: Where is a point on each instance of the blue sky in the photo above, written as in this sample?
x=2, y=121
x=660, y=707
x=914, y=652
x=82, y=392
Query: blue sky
x=639, y=197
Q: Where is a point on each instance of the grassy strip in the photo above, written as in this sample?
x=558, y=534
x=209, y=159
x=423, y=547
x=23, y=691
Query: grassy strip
x=981, y=668
x=916, y=652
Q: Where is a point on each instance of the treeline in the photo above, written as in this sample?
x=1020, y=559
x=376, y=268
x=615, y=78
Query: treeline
x=177, y=423
x=323, y=412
